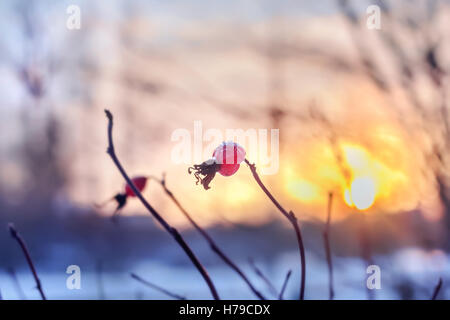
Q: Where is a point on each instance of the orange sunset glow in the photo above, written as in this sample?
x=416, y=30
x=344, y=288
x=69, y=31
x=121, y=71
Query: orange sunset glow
x=338, y=131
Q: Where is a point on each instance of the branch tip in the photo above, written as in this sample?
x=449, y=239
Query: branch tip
x=109, y=115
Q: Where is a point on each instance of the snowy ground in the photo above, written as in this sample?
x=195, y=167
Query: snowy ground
x=411, y=272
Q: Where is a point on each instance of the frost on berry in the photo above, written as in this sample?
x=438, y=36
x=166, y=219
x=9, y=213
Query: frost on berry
x=226, y=161
x=229, y=155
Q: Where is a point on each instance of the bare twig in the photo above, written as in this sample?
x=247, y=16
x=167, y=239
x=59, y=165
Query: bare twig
x=260, y=274
x=17, y=286
x=22, y=244
x=326, y=239
x=171, y=230
x=214, y=247
x=437, y=289
x=283, y=287
x=293, y=220
x=157, y=288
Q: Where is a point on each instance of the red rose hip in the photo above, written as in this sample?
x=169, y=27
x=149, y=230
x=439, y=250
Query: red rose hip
x=229, y=155
x=139, y=182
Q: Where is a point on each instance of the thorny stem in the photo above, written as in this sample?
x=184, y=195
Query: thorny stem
x=283, y=288
x=22, y=244
x=437, y=289
x=158, y=288
x=171, y=230
x=214, y=247
x=293, y=220
x=326, y=239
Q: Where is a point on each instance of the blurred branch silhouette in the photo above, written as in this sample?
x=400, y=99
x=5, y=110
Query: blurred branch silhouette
x=437, y=289
x=24, y=248
x=213, y=245
x=157, y=288
x=263, y=277
x=171, y=230
x=409, y=70
x=283, y=287
x=17, y=285
x=326, y=239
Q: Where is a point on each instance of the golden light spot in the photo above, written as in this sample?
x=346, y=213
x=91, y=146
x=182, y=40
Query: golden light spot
x=370, y=177
x=360, y=174
x=362, y=192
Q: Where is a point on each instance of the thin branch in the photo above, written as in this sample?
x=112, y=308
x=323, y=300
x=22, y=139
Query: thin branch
x=171, y=230
x=17, y=286
x=283, y=288
x=157, y=288
x=214, y=247
x=22, y=244
x=260, y=274
x=326, y=239
x=293, y=220
x=437, y=289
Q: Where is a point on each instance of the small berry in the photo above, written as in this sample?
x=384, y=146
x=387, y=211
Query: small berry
x=229, y=155
x=226, y=160
x=139, y=182
x=121, y=198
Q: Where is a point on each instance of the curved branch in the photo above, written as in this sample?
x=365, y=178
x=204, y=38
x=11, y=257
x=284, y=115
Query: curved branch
x=171, y=230
x=294, y=222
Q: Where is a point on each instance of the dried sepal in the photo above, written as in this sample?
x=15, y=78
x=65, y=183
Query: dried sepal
x=205, y=172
